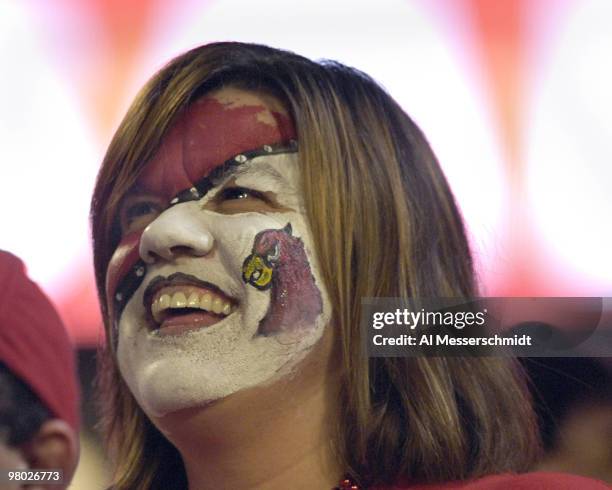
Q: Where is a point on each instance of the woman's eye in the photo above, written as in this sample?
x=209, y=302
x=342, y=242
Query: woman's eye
x=237, y=193
x=138, y=210
x=235, y=199
x=137, y=214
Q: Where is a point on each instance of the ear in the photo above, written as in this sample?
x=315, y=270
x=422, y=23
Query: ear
x=288, y=229
x=55, y=446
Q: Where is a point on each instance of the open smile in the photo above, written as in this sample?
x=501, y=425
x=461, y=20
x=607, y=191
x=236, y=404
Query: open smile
x=182, y=302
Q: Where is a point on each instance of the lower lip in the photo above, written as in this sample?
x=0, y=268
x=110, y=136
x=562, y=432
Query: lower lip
x=177, y=325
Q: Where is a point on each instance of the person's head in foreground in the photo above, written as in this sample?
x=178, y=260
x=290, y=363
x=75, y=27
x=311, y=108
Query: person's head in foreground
x=246, y=204
x=39, y=416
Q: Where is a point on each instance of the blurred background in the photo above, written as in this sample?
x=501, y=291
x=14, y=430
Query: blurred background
x=514, y=96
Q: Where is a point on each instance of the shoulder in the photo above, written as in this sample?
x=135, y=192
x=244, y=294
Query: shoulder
x=527, y=481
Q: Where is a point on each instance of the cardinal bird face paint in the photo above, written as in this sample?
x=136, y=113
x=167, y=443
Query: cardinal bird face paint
x=215, y=286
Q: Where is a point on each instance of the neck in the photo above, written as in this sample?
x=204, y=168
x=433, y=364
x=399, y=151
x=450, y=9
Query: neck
x=273, y=437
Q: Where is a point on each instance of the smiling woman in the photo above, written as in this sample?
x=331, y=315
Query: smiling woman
x=246, y=204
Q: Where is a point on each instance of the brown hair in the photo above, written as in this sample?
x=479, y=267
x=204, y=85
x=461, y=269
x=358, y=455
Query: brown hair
x=385, y=225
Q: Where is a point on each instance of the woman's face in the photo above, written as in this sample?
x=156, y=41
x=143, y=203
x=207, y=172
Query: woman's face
x=214, y=287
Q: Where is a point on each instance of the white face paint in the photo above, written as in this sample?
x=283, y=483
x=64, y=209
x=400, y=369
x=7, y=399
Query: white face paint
x=171, y=372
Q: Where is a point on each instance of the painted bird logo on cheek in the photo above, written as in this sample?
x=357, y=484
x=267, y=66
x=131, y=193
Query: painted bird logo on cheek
x=258, y=269
x=278, y=263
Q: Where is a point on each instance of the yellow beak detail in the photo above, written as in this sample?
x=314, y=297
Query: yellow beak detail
x=256, y=272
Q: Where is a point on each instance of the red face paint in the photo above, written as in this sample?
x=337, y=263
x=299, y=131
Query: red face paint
x=209, y=133
x=125, y=257
x=296, y=301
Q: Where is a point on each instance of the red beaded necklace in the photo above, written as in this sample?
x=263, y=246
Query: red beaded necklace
x=347, y=484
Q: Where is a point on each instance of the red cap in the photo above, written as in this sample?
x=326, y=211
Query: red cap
x=34, y=344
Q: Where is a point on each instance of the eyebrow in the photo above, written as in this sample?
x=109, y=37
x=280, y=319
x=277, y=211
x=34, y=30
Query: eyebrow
x=252, y=168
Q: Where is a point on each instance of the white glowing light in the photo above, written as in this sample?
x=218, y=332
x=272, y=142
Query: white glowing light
x=570, y=151
x=48, y=160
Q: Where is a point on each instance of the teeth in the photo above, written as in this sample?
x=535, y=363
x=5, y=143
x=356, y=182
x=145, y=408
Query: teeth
x=227, y=309
x=217, y=305
x=161, y=304
x=164, y=302
x=194, y=300
x=178, y=300
x=206, y=302
x=156, y=310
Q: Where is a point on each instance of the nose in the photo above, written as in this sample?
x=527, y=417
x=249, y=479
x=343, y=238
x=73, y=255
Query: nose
x=178, y=230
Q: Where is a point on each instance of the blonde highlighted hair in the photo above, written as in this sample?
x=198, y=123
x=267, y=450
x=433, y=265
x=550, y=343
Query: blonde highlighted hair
x=385, y=225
